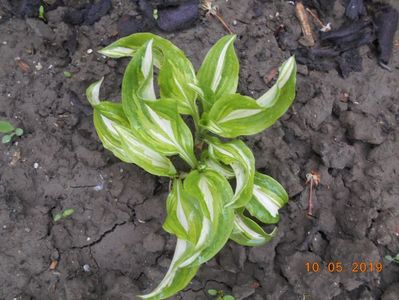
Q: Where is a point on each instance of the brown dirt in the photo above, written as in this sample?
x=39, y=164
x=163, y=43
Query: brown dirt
x=113, y=246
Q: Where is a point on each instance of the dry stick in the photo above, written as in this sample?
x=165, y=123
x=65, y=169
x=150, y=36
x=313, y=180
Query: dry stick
x=304, y=21
x=310, y=202
x=213, y=10
x=323, y=26
x=314, y=179
x=316, y=18
x=221, y=20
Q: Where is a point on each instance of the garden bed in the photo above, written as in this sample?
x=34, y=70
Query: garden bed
x=113, y=245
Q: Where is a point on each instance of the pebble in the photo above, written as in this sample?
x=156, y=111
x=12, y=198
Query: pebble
x=38, y=66
x=86, y=268
x=89, y=51
x=35, y=165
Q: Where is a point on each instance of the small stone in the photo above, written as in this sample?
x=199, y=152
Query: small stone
x=38, y=66
x=337, y=155
x=89, y=51
x=86, y=268
x=35, y=165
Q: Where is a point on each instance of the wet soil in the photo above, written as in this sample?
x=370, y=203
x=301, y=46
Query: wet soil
x=113, y=246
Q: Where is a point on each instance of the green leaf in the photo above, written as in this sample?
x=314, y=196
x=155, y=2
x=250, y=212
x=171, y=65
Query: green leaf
x=247, y=233
x=212, y=292
x=240, y=158
x=157, y=121
x=213, y=192
x=19, y=131
x=7, y=138
x=174, y=84
x=211, y=226
x=67, y=74
x=177, y=277
x=234, y=115
x=218, y=74
x=228, y=297
x=93, y=92
x=268, y=197
x=139, y=153
x=64, y=214
x=176, y=71
x=125, y=143
x=184, y=216
x=6, y=127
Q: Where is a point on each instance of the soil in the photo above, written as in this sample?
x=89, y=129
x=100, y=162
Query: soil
x=113, y=246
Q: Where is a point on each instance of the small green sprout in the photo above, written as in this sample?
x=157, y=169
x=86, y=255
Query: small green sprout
x=64, y=214
x=220, y=294
x=155, y=14
x=67, y=74
x=393, y=259
x=9, y=131
x=41, y=13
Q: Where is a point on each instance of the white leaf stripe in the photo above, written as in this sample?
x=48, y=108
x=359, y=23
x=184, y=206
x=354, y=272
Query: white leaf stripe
x=116, y=52
x=181, y=215
x=244, y=228
x=239, y=114
x=219, y=67
x=266, y=201
x=148, y=91
x=170, y=138
x=207, y=195
x=93, y=92
x=140, y=149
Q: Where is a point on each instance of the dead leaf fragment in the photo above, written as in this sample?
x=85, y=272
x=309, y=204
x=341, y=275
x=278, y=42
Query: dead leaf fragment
x=54, y=264
x=16, y=156
x=23, y=66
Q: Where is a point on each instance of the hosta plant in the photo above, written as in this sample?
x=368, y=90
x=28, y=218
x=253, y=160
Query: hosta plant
x=218, y=195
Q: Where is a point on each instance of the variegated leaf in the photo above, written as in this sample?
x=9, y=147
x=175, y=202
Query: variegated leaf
x=157, y=122
x=268, y=197
x=247, y=233
x=176, y=71
x=184, y=216
x=241, y=160
x=177, y=277
x=234, y=115
x=218, y=74
x=208, y=192
x=113, y=130
x=213, y=192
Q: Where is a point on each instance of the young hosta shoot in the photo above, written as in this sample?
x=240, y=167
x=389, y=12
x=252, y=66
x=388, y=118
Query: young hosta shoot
x=223, y=196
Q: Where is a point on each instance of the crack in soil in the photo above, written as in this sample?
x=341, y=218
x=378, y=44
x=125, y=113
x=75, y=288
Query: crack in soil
x=101, y=237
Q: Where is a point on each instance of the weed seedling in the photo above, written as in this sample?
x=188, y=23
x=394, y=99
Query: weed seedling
x=394, y=259
x=64, y=214
x=9, y=131
x=216, y=194
x=42, y=15
x=219, y=295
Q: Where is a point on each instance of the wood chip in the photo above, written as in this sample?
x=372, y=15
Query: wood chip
x=302, y=16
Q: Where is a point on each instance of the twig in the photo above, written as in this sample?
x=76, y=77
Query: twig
x=314, y=179
x=304, y=21
x=214, y=11
x=323, y=27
